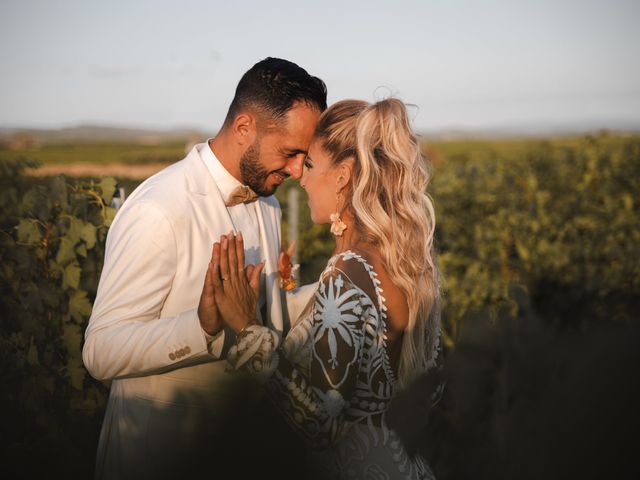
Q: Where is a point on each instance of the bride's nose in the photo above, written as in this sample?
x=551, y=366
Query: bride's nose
x=303, y=179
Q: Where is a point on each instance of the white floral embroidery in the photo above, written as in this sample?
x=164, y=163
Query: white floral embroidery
x=332, y=377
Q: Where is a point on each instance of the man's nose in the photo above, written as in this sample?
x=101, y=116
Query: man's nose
x=294, y=166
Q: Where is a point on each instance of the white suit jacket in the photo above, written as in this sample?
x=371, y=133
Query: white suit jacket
x=144, y=331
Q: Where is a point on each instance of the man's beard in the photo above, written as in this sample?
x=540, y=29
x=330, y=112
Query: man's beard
x=252, y=173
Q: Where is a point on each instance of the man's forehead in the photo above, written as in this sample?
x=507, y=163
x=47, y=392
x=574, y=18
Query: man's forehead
x=301, y=119
x=294, y=127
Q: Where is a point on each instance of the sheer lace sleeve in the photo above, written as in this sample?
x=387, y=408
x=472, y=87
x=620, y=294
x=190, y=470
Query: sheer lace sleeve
x=315, y=399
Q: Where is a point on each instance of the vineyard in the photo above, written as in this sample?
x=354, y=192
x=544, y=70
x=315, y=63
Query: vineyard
x=538, y=244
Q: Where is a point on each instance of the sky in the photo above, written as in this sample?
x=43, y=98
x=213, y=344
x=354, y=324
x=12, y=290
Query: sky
x=461, y=64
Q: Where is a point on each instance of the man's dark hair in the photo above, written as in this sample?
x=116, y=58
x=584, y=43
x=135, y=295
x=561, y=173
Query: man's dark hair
x=272, y=86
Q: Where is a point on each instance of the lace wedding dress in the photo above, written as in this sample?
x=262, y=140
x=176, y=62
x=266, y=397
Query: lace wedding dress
x=331, y=376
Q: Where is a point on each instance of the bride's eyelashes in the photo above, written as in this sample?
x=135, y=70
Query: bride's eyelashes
x=307, y=163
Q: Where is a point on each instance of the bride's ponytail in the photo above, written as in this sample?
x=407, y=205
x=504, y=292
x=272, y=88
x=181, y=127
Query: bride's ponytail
x=391, y=204
x=392, y=210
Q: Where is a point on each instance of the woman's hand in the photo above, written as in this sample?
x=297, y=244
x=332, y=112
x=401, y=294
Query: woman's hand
x=236, y=288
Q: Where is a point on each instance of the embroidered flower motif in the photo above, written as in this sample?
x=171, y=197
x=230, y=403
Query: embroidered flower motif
x=334, y=309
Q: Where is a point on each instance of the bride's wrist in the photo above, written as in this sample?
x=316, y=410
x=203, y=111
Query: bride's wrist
x=247, y=325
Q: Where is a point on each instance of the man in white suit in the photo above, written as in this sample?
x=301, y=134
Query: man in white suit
x=154, y=331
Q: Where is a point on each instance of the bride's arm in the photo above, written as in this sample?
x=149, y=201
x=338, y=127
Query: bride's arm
x=314, y=402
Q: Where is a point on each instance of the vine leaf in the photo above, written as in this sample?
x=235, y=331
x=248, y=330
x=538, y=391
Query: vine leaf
x=71, y=277
x=29, y=232
x=79, y=305
x=110, y=214
x=108, y=187
x=66, y=253
x=74, y=232
x=81, y=250
x=58, y=189
x=88, y=233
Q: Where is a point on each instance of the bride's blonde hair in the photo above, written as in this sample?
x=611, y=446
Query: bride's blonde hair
x=388, y=200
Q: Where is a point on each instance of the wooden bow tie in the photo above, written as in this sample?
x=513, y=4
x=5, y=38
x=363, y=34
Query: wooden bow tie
x=241, y=194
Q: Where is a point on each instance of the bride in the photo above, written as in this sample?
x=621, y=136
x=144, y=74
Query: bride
x=373, y=324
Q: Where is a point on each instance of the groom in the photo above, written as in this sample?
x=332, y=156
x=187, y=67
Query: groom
x=154, y=331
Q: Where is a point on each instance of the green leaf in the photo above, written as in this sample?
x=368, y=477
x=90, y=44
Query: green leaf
x=66, y=253
x=110, y=214
x=79, y=305
x=88, y=233
x=58, y=189
x=36, y=202
x=71, y=277
x=81, y=250
x=29, y=231
x=108, y=187
x=74, y=230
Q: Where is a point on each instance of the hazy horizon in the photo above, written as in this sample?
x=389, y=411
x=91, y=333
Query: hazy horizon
x=523, y=128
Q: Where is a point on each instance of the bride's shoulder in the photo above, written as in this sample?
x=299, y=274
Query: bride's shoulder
x=358, y=267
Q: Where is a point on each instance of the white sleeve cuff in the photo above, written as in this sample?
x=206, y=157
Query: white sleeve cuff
x=214, y=343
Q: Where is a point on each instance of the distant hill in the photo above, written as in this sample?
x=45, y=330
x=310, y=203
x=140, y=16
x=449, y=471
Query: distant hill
x=98, y=133
x=111, y=134
x=532, y=129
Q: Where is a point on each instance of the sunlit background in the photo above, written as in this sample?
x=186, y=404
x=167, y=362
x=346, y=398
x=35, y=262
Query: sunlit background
x=492, y=65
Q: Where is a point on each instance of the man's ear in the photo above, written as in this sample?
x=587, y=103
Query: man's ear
x=244, y=128
x=344, y=173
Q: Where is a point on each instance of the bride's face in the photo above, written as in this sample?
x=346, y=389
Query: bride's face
x=319, y=180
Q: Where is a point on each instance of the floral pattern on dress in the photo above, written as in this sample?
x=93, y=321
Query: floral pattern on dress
x=331, y=377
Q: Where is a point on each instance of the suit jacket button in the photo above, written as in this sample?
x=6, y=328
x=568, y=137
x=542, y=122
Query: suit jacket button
x=172, y=356
x=187, y=350
x=181, y=352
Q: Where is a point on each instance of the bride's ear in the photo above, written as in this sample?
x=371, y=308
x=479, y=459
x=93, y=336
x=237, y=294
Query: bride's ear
x=344, y=171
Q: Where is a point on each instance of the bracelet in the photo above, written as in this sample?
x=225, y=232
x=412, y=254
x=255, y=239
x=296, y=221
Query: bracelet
x=245, y=327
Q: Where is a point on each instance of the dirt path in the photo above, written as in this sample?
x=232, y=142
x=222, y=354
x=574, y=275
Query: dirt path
x=117, y=170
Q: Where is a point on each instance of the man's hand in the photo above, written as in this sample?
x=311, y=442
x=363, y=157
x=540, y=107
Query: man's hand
x=236, y=287
x=210, y=319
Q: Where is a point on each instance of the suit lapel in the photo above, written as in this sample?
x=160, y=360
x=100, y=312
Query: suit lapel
x=201, y=183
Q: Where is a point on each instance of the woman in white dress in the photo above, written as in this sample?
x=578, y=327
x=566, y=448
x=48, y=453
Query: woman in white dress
x=373, y=324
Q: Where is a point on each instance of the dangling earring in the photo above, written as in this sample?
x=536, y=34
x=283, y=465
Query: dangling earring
x=337, y=225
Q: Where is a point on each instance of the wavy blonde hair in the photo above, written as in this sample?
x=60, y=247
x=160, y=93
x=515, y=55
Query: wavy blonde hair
x=388, y=200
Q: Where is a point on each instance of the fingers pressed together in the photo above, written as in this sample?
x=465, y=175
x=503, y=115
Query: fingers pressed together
x=235, y=287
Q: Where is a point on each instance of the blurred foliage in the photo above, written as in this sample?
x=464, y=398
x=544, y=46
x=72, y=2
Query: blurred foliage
x=52, y=236
x=561, y=221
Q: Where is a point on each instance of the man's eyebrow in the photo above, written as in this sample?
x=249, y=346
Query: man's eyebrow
x=295, y=151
